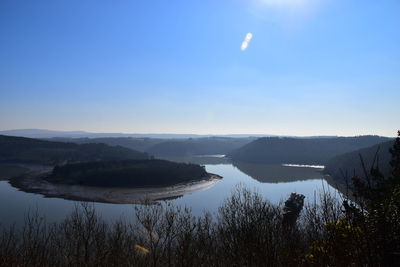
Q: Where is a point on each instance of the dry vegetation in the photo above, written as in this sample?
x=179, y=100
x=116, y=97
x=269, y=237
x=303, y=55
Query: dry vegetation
x=247, y=231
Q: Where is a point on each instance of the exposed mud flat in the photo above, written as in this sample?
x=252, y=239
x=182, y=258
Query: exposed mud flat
x=116, y=195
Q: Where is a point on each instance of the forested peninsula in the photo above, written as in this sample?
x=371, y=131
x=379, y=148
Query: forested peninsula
x=127, y=173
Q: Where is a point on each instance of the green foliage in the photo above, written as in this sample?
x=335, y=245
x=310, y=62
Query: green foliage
x=340, y=246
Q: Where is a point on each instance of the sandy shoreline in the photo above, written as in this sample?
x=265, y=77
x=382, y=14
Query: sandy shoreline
x=116, y=195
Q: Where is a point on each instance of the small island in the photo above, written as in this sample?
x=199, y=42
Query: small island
x=124, y=181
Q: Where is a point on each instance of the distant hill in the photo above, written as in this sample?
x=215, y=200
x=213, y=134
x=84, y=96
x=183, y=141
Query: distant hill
x=135, y=143
x=274, y=150
x=27, y=150
x=349, y=164
x=128, y=173
x=169, y=147
x=197, y=146
x=40, y=133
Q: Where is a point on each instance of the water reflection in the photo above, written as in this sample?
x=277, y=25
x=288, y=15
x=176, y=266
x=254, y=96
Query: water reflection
x=200, y=159
x=266, y=173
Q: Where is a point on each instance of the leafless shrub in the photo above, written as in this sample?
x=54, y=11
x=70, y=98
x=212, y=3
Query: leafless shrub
x=246, y=231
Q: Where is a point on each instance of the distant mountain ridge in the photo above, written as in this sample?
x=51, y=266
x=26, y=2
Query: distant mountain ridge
x=311, y=151
x=40, y=133
x=43, y=133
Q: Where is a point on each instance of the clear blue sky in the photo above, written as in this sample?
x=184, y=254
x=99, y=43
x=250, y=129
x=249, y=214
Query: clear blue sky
x=313, y=67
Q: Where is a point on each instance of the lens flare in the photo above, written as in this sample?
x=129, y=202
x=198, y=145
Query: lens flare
x=246, y=41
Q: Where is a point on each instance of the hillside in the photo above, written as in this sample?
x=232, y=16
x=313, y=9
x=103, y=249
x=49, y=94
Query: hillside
x=319, y=151
x=169, y=147
x=346, y=165
x=128, y=173
x=139, y=144
x=27, y=150
x=198, y=146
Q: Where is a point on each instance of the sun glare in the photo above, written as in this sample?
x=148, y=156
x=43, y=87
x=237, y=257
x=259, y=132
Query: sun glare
x=283, y=2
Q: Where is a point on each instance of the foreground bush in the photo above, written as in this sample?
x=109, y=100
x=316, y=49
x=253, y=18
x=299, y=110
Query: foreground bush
x=247, y=231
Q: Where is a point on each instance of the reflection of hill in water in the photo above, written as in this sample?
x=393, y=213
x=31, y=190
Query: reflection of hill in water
x=267, y=173
x=201, y=160
x=170, y=198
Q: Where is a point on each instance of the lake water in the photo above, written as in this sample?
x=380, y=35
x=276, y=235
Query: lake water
x=273, y=182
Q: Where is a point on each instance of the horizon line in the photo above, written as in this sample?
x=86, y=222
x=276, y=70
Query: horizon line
x=193, y=134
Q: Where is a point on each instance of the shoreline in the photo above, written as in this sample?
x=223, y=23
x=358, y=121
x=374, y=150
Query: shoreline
x=20, y=169
x=115, y=195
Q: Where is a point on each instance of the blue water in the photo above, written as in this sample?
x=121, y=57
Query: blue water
x=15, y=204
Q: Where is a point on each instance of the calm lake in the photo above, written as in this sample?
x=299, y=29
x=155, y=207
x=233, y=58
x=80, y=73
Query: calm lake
x=273, y=182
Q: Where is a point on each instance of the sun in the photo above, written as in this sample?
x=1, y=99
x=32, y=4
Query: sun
x=283, y=2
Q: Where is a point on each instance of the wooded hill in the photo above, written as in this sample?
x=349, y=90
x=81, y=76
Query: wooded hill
x=348, y=165
x=28, y=150
x=275, y=150
x=139, y=144
x=127, y=173
x=198, y=146
x=170, y=147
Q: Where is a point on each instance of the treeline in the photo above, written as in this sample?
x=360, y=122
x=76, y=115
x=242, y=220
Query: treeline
x=28, y=150
x=276, y=150
x=127, y=173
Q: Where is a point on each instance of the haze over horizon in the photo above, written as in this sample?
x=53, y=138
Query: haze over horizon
x=46, y=133
x=279, y=67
